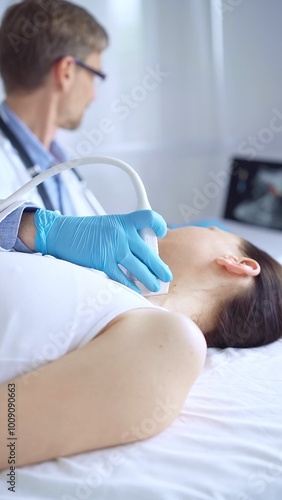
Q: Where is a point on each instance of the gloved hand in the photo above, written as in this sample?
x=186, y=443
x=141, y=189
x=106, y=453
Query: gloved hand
x=103, y=242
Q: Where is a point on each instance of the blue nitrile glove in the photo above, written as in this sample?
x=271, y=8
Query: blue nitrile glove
x=103, y=242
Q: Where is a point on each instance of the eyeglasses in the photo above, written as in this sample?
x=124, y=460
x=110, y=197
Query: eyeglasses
x=80, y=63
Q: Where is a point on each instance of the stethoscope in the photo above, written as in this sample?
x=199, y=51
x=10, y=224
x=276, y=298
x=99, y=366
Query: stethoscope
x=34, y=170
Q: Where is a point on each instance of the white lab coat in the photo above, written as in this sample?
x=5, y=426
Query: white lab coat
x=13, y=175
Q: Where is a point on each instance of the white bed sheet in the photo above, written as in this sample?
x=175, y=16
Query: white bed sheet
x=225, y=445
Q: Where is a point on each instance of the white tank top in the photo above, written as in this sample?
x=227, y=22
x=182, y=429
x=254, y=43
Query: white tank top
x=49, y=307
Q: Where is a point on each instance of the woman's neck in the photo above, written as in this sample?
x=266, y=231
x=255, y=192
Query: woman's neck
x=188, y=301
x=187, y=293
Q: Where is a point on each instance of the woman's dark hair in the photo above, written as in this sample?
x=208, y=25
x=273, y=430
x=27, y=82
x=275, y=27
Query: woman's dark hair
x=35, y=33
x=253, y=318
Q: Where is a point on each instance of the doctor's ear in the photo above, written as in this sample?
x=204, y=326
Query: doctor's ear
x=243, y=265
x=64, y=71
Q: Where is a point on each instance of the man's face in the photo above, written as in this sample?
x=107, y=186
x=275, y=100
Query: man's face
x=80, y=95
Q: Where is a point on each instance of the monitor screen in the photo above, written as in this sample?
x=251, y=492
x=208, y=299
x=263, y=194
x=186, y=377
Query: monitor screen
x=255, y=193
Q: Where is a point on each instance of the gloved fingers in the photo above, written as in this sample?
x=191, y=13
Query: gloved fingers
x=149, y=218
x=118, y=275
x=151, y=259
x=141, y=272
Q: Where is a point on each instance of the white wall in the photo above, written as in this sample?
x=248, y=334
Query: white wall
x=223, y=82
x=253, y=69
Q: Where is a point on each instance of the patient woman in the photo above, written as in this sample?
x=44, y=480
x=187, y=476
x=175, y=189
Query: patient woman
x=131, y=380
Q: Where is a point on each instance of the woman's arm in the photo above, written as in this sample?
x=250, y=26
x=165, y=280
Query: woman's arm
x=128, y=384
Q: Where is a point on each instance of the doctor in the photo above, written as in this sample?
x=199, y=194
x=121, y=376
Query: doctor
x=50, y=59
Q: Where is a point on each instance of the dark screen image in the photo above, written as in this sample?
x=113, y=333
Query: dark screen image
x=255, y=193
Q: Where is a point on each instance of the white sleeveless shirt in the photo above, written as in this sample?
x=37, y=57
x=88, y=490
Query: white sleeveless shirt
x=49, y=307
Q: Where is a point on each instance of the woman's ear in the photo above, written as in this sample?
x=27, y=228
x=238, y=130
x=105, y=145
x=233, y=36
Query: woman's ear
x=235, y=265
